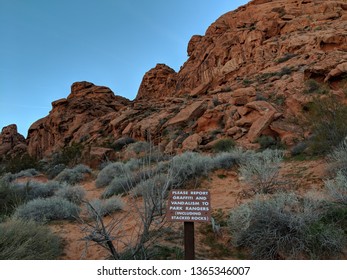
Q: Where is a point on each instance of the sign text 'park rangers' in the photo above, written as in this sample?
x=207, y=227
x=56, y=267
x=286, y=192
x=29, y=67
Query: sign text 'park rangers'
x=189, y=206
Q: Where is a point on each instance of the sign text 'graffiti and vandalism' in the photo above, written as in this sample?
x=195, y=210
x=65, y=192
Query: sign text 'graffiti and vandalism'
x=189, y=206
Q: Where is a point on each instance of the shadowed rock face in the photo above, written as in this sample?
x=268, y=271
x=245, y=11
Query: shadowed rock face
x=11, y=141
x=244, y=78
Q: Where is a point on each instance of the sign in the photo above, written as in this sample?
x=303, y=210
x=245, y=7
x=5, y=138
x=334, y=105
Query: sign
x=189, y=206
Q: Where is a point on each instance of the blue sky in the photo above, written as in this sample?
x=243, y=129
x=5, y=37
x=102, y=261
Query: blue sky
x=46, y=45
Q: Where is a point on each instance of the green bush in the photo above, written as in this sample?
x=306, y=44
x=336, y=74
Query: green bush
x=54, y=170
x=269, y=142
x=285, y=57
x=9, y=199
x=47, y=209
x=27, y=240
x=21, y=162
x=69, y=155
x=121, y=143
x=285, y=227
x=327, y=118
x=224, y=145
x=312, y=86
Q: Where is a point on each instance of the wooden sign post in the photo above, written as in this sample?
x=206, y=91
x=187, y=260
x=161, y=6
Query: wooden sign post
x=189, y=206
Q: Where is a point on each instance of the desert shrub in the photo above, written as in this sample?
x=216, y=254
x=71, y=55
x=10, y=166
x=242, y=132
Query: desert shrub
x=337, y=188
x=47, y=209
x=223, y=161
x=69, y=155
x=285, y=57
x=27, y=173
x=285, y=227
x=241, y=156
x=285, y=71
x=125, y=182
x=21, y=162
x=9, y=177
x=72, y=155
x=15, y=194
x=140, y=147
x=74, y=194
x=134, y=164
x=121, y=143
x=188, y=166
x=33, y=189
x=27, y=240
x=73, y=175
x=9, y=199
x=81, y=168
x=152, y=186
x=54, y=170
x=109, y=172
x=261, y=171
x=269, y=142
x=338, y=158
x=224, y=145
x=104, y=207
x=120, y=185
x=327, y=118
x=312, y=86
x=299, y=148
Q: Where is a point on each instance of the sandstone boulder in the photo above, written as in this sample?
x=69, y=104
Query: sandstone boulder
x=259, y=125
x=192, y=142
x=340, y=69
x=189, y=113
x=261, y=106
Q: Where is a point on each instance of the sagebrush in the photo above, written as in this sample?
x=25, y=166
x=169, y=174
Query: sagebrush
x=48, y=209
x=27, y=240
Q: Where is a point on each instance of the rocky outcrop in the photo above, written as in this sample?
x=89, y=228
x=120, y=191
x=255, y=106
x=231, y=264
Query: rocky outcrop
x=158, y=82
x=11, y=142
x=244, y=78
x=259, y=36
x=192, y=142
x=260, y=54
x=78, y=118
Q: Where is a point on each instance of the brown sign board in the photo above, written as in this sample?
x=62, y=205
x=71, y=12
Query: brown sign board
x=189, y=206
